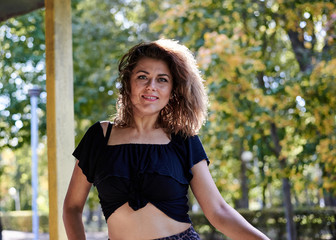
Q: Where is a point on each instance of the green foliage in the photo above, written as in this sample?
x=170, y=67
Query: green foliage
x=16, y=167
x=22, y=221
x=310, y=223
x=22, y=65
x=102, y=32
x=270, y=74
x=269, y=69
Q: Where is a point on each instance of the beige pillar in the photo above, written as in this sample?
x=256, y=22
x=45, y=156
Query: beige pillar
x=60, y=111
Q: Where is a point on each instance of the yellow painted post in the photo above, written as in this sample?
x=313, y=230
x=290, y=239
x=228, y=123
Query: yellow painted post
x=60, y=110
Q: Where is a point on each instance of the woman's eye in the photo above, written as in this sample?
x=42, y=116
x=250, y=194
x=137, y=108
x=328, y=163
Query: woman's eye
x=163, y=80
x=142, y=77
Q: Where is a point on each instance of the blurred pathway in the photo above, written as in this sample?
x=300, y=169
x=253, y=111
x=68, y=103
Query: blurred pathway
x=15, y=235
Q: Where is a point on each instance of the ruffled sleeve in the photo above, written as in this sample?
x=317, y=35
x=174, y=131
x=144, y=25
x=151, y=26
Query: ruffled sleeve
x=88, y=150
x=195, y=153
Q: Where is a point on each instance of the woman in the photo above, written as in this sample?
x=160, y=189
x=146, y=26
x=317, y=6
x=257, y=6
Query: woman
x=143, y=163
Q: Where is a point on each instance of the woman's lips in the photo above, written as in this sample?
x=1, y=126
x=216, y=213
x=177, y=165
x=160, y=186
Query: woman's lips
x=150, y=97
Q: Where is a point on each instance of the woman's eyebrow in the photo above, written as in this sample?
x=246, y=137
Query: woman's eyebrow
x=164, y=74
x=143, y=71
x=161, y=74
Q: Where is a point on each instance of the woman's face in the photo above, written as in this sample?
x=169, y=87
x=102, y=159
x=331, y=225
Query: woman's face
x=151, y=86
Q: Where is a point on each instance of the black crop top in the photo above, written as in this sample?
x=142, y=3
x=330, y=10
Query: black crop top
x=140, y=173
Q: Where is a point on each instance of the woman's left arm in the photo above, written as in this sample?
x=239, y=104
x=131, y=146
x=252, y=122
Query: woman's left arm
x=220, y=214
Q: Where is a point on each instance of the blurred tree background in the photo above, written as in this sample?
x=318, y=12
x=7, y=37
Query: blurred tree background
x=269, y=68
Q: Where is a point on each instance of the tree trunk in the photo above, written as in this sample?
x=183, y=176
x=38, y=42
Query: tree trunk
x=302, y=54
x=244, y=201
x=263, y=179
x=329, y=199
x=290, y=225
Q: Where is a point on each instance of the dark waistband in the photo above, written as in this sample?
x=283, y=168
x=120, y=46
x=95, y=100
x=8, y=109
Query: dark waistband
x=189, y=234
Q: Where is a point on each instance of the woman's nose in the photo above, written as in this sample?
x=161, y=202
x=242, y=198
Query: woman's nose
x=151, y=84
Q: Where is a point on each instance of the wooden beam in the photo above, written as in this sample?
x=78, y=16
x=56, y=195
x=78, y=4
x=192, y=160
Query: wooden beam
x=60, y=110
x=13, y=8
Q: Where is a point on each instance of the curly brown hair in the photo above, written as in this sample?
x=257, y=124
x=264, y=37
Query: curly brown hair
x=186, y=110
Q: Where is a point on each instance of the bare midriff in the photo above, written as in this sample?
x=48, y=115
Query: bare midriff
x=144, y=224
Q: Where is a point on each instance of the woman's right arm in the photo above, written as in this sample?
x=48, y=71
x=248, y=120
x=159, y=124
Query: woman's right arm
x=74, y=203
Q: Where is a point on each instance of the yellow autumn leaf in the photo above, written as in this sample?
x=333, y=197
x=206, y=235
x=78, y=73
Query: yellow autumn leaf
x=235, y=16
x=328, y=185
x=259, y=65
x=298, y=187
x=330, y=68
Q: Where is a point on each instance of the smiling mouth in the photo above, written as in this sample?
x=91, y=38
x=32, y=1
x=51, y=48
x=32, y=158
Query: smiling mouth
x=150, y=97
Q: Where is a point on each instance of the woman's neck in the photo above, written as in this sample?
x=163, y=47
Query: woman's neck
x=144, y=124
